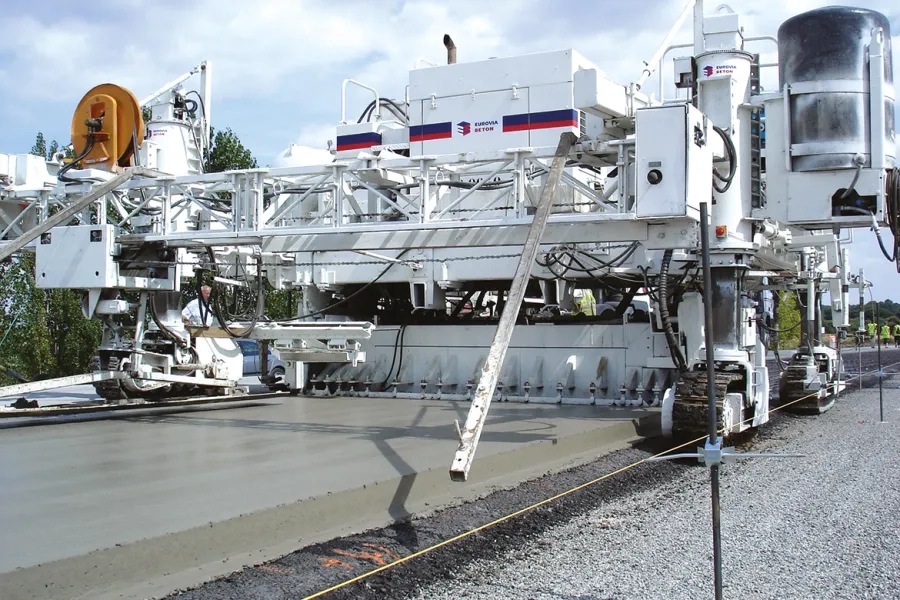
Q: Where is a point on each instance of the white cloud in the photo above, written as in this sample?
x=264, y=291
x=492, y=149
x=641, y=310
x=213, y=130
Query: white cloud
x=316, y=136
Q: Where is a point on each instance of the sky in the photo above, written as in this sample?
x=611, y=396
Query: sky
x=278, y=64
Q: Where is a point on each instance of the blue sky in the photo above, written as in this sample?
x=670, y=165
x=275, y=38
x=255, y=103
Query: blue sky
x=278, y=64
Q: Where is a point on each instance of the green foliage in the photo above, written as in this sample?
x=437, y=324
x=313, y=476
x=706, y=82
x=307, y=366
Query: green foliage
x=788, y=320
x=24, y=339
x=888, y=312
x=227, y=153
x=73, y=338
x=44, y=331
x=282, y=304
x=146, y=114
x=41, y=148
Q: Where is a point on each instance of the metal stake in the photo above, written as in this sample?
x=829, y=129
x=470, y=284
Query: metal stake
x=711, y=395
x=840, y=360
x=859, y=356
x=878, y=336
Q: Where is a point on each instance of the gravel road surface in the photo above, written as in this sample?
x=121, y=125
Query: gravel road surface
x=816, y=527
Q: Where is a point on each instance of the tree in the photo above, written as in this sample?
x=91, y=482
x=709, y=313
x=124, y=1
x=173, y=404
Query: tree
x=40, y=146
x=43, y=332
x=46, y=152
x=24, y=339
x=788, y=323
x=227, y=153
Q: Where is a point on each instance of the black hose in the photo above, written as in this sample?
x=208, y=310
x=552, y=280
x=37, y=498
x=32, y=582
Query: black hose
x=732, y=160
x=663, y=302
x=370, y=108
x=398, y=342
x=895, y=257
x=217, y=304
x=892, y=210
x=61, y=175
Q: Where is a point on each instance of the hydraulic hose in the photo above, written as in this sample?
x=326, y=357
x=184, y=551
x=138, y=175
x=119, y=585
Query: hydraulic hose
x=677, y=356
x=217, y=304
x=732, y=162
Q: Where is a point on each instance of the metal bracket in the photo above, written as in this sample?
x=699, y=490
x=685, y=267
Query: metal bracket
x=714, y=454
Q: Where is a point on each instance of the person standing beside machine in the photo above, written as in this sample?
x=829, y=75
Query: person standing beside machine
x=196, y=314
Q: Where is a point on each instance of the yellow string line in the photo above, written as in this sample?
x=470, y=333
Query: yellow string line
x=582, y=486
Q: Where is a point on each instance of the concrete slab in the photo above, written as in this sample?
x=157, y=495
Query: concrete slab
x=140, y=506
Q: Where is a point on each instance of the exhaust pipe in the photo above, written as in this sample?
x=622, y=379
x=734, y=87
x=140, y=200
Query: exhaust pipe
x=451, y=50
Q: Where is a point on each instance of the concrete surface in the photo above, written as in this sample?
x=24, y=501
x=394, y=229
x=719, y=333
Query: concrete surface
x=139, y=506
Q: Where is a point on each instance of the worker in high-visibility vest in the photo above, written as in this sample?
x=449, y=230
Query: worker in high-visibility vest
x=870, y=329
x=585, y=303
x=897, y=335
x=885, y=334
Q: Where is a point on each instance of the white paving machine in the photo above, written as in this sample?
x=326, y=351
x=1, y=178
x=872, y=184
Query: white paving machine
x=519, y=229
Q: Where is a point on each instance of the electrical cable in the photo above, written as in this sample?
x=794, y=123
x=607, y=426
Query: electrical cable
x=892, y=210
x=398, y=342
x=346, y=298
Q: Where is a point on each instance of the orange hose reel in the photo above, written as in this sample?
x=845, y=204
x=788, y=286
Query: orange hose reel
x=107, y=124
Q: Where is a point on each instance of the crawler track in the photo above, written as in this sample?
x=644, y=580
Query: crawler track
x=690, y=412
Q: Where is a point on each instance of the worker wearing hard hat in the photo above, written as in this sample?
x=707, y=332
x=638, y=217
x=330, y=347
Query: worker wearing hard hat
x=585, y=303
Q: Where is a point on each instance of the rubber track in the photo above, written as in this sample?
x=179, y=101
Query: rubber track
x=108, y=389
x=690, y=412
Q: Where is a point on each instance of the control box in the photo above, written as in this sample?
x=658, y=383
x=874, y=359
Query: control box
x=77, y=257
x=673, y=161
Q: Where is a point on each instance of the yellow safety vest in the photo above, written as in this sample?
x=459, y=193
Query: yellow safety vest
x=885, y=332
x=897, y=330
x=871, y=328
x=585, y=306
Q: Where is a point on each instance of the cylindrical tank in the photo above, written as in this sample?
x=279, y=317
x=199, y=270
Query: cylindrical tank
x=170, y=141
x=829, y=47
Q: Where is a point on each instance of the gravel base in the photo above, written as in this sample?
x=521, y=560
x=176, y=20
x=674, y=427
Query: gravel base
x=818, y=527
